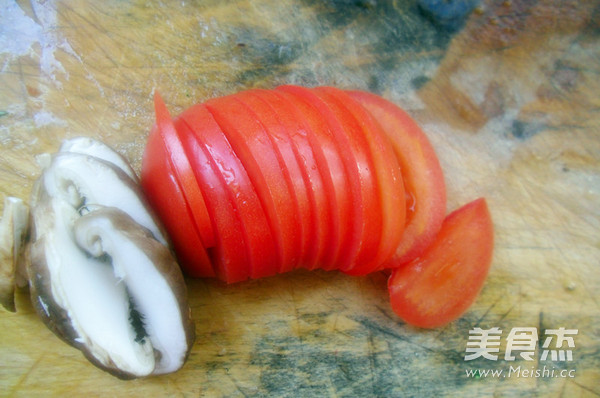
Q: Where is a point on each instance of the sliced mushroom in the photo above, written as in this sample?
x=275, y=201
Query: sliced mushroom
x=86, y=181
x=152, y=281
x=13, y=231
x=97, y=149
x=101, y=275
x=120, y=300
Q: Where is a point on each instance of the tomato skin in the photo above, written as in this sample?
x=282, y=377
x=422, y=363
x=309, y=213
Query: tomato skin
x=438, y=286
x=421, y=172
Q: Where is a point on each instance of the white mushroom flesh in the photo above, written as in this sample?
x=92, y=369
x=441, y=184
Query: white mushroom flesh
x=149, y=291
x=97, y=149
x=85, y=182
x=96, y=300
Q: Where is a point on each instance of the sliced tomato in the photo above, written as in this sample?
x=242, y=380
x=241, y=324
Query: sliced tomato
x=296, y=222
x=253, y=147
x=166, y=197
x=302, y=138
x=365, y=220
x=438, y=286
x=184, y=174
x=381, y=189
x=208, y=155
x=259, y=240
x=421, y=172
x=389, y=182
x=337, y=182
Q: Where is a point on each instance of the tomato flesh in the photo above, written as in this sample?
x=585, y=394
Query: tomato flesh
x=302, y=139
x=438, y=286
x=333, y=171
x=211, y=157
x=421, y=173
x=296, y=220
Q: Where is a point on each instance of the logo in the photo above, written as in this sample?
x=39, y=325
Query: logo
x=522, y=344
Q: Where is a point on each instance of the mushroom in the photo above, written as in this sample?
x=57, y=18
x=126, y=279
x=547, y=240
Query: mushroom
x=101, y=274
x=106, y=286
x=97, y=149
x=13, y=232
x=86, y=181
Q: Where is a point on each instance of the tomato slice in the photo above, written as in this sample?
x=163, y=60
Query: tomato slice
x=208, y=155
x=388, y=177
x=164, y=193
x=302, y=138
x=181, y=166
x=259, y=240
x=331, y=163
x=255, y=152
x=298, y=217
x=438, y=286
x=421, y=172
x=379, y=166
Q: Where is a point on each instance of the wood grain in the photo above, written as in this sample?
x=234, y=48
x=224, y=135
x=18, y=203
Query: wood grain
x=507, y=92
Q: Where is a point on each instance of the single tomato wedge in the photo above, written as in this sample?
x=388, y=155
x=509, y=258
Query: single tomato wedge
x=438, y=286
x=421, y=172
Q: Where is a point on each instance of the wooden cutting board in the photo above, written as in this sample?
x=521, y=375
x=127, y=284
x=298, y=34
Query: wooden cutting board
x=508, y=92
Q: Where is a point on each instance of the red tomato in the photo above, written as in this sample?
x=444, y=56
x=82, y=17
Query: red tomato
x=364, y=224
x=439, y=285
x=421, y=173
x=233, y=205
x=388, y=215
x=158, y=176
x=302, y=139
x=183, y=171
x=262, y=161
x=298, y=226
x=331, y=168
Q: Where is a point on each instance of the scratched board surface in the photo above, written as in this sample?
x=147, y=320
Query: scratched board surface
x=508, y=92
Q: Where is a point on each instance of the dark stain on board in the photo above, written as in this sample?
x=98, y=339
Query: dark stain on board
x=385, y=34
